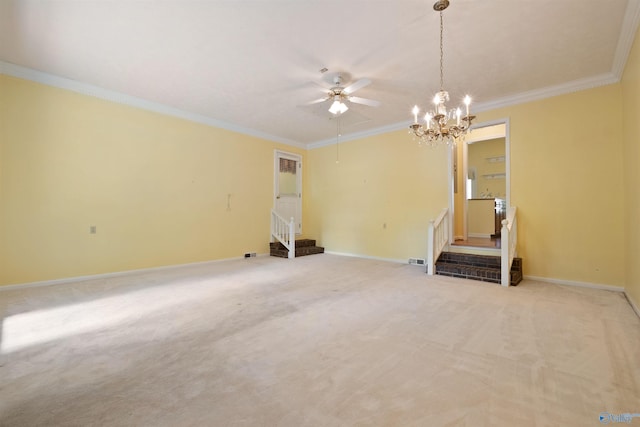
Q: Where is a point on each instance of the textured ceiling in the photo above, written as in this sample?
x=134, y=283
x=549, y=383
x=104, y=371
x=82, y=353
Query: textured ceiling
x=252, y=64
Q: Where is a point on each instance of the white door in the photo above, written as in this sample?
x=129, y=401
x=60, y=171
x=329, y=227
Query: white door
x=288, y=187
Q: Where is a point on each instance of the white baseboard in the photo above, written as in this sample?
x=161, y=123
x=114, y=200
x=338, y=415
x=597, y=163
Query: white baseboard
x=115, y=274
x=575, y=283
x=398, y=261
x=633, y=304
x=599, y=286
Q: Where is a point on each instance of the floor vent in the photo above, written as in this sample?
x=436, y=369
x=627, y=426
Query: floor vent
x=416, y=261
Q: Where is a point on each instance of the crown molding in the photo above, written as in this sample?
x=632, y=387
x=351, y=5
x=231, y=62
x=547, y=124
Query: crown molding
x=25, y=73
x=358, y=135
x=548, y=92
x=508, y=101
x=627, y=35
x=630, y=24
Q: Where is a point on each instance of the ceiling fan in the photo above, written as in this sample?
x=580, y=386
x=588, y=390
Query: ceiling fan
x=339, y=94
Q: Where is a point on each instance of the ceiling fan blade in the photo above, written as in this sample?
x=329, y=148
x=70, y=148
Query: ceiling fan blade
x=356, y=85
x=364, y=101
x=317, y=101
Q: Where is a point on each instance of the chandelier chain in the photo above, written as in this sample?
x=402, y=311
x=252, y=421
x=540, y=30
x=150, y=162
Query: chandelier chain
x=441, y=54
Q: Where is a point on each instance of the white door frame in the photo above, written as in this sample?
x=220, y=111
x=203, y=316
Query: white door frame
x=278, y=154
x=463, y=164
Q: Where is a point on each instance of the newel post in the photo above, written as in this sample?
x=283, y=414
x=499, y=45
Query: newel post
x=430, y=249
x=505, y=274
x=292, y=239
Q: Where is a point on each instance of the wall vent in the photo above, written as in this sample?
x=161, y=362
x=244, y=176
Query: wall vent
x=416, y=261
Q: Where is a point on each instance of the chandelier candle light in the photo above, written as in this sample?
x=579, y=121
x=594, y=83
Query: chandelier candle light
x=441, y=126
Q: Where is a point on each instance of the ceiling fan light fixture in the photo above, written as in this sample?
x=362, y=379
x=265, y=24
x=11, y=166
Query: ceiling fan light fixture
x=338, y=107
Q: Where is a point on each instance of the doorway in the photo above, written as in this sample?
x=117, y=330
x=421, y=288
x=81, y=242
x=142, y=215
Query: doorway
x=287, y=198
x=482, y=192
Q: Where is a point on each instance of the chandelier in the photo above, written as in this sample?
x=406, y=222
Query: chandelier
x=442, y=126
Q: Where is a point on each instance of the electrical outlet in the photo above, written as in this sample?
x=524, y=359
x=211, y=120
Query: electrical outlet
x=92, y=229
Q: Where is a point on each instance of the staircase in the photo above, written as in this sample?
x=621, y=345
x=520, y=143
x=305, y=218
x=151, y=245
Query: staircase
x=485, y=268
x=303, y=247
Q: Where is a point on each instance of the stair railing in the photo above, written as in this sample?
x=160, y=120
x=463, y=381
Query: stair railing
x=509, y=240
x=284, y=232
x=438, y=239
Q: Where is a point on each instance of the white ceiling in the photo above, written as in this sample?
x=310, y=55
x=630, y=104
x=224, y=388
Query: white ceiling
x=248, y=65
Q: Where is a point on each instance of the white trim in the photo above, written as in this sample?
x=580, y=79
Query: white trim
x=506, y=101
x=143, y=104
x=507, y=155
x=548, y=92
x=465, y=195
x=358, y=135
x=632, y=303
x=277, y=155
x=451, y=179
x=75, y=279
x=575, y=283
x=474, y=250
x=627, y=36
x=630, y=24
x=397, y=261
x=487, y=136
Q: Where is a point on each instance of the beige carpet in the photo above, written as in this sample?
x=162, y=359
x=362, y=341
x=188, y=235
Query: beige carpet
x=316, y=341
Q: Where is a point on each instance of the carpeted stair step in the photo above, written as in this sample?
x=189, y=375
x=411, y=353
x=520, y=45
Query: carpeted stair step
x=485, y=268
x=303, y=247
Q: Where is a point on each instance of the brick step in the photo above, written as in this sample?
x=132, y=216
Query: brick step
x=303, y=247
x=485, y=268
x=300, y=243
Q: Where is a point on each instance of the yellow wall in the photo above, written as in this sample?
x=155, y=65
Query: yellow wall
x=479, y=154
x=155, y=187
x=566, y=181
x=631, y=110
x=384, y=179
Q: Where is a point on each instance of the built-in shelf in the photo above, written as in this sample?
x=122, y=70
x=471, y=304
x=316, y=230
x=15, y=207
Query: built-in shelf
x=496, y=159
x=495, y=176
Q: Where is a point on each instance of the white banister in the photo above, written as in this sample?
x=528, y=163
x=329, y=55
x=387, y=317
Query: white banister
x=509, y=240
x=438, y=239
x=284, y=232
